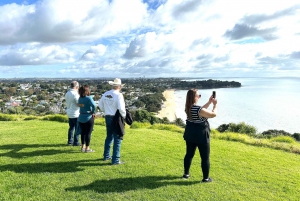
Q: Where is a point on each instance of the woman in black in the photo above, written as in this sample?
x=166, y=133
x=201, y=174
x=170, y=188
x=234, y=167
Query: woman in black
x=197, y=132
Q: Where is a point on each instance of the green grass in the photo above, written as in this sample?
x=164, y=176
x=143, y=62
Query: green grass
x=286, y=139
x=36, y=164
x=285, y=143
x=7, y=117
x=137, y=124
x=169, y=127
x=56, y=117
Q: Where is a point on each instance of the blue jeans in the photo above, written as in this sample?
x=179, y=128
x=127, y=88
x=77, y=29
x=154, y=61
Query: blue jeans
x=73, y=125
x=111, y=138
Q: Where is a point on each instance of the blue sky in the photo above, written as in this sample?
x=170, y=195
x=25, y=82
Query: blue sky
x=151, y=38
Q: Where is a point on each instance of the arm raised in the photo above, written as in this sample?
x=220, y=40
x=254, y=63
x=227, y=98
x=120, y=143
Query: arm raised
x=204, y=112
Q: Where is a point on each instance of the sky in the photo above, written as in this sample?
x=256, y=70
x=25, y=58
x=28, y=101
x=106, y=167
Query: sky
x=149, y=38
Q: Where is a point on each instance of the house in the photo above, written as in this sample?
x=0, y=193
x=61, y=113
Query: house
x=25, y=86
x=8, y=104
x=13, y=104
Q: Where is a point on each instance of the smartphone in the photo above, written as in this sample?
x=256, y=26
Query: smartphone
x=214, y=94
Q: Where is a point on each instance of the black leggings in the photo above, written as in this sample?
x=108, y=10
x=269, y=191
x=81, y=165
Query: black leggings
x=204, y=150
x=86, y=131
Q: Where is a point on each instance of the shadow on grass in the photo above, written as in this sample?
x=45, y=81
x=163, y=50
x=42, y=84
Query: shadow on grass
x=56, y=167
x=14, y=150
x=129, y=184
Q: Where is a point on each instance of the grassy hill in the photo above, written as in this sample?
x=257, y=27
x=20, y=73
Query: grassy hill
x=36, y=164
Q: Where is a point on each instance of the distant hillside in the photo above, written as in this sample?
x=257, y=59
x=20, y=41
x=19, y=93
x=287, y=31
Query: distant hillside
x=205, y=84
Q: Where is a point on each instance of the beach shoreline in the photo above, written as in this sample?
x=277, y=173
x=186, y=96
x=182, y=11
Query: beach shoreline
x=168, y=108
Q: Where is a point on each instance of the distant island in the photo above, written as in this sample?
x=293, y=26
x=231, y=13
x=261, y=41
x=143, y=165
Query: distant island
x=205, y=84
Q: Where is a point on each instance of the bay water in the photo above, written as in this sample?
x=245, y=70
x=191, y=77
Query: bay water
x=266, y=103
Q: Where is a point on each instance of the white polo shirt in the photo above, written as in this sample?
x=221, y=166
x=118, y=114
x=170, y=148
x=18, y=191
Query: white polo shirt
x=111, y=101
x=72, y=97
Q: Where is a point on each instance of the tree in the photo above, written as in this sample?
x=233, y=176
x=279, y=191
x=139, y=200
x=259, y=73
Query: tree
x=13, y=84
x=40, y=109
x=15, y=110
x=141, y=116
x=96, y=97
x=29, y=111
x=179, y=122
x=10, y=91
x=153, y=107
x=155, y=120
x=296, y=136
x=153, y=102
x=20, y=93
x=29, y=92
x=139, y=104
x=165, y=120
x=42, y=96
x=6, y=98
x=44, y=86
x=274, y=132
x=2, y=105
x=23, y=101
x=58, y=85
x=34, y=98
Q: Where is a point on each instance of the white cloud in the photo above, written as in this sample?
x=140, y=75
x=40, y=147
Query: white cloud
x=35, y=54
x=94, y=52
x=166, y=37
x=10, y=70
x=68, y=20
x=143, y=45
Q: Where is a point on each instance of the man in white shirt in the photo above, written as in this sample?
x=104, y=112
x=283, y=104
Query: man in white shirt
x=72, y=97
x=110, y=102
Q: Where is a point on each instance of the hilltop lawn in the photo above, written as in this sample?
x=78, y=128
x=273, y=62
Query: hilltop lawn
x=36, y=164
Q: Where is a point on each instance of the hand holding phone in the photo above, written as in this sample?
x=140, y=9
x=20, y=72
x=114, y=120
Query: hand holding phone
x=214, y=94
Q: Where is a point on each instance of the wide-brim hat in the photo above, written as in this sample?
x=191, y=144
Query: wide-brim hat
x=116, y=82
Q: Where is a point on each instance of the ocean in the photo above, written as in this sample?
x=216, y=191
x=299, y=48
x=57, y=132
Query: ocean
x=266, y=103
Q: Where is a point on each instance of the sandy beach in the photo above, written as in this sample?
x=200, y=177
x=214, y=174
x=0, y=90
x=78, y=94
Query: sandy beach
x=169, y=107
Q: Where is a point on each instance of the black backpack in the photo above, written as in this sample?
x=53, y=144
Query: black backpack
x=128, y=118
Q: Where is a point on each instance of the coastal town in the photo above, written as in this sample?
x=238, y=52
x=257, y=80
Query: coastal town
x=46, y=96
